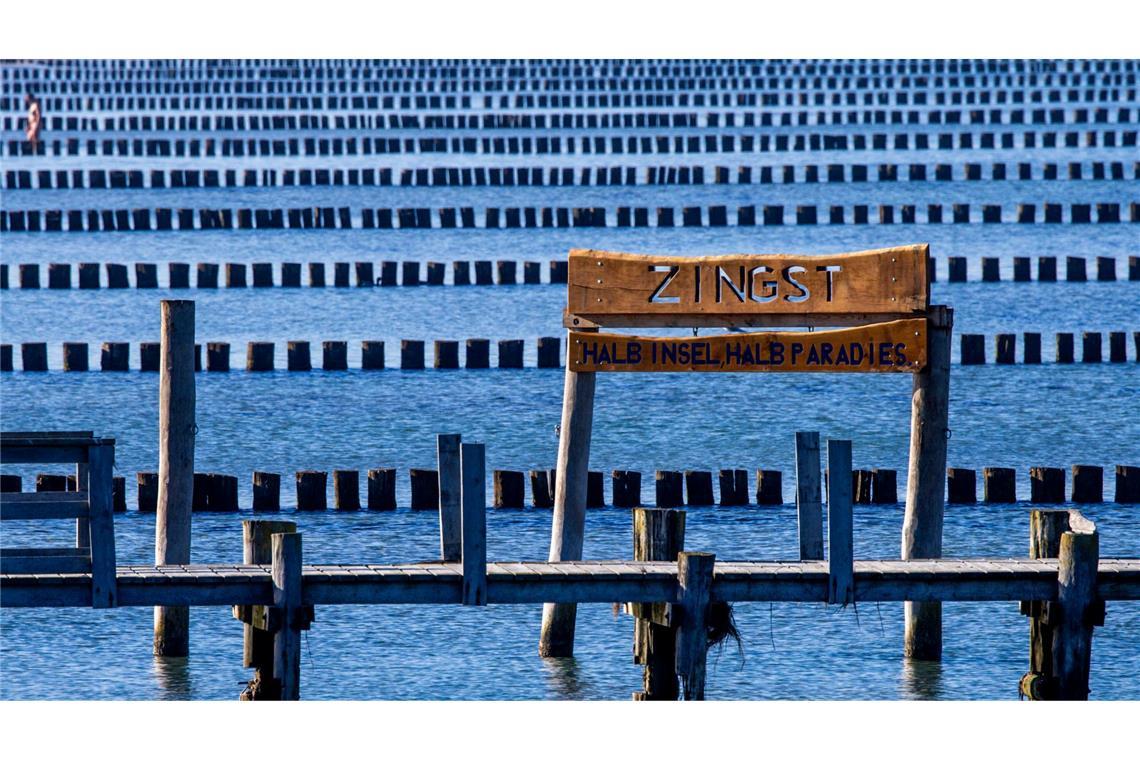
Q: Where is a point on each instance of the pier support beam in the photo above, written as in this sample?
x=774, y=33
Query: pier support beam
x=176, y=401
x=557, y=636
x=925, y=490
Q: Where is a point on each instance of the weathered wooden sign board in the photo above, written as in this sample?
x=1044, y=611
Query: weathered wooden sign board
x=632, y=290
x=898, y=346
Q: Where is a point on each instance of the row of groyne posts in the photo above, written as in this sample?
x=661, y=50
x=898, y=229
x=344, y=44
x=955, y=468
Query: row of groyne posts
x=682, y=609
x=509, y=176
x=261, y=355
x=158, y=118
x=218, y=492
x=643, y=144
x=211, y=275
x=166, y=219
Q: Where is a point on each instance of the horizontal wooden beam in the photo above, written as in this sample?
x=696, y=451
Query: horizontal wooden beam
x=577, y=582
x=43, y=505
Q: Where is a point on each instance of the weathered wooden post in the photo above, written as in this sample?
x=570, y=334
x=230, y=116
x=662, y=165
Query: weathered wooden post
x=1060, y=632
x=695, y=574
x=473, y=516
x=176, y=402
x=291, y=617
x=450, y=488
x=658, y=536
x=1079, y=608
x=257, y=647
x=840, y=547
x=925, y=489
x=809, y=506
x=569, y=524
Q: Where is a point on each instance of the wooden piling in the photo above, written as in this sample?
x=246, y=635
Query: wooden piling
x=695, y=573
x=999, y=485
x=334, y=355
x=447, y=454
x=297, y=356
x=312, y=486
x=266, y=492
x=257, y=639
x=473, y=523
x=541, y=494
x=884, y=486
x=569, y=521
x=925, y=499
x=346, y=489
x=809, y=502
x=840, y=555
x=425, y=488
x=769, y=487
x=658, y=536
x=1127, y=484
x=147, y=493
x=860, y=486
x=259, y=356
x=1064, y=348
x=1079, y=609
x=286, y=574
x=176, y=427
x=74, y=357
x=509, y=489
x=961, y=485
x=1088, y=484
x=1046, y=485
x=669, y=489
x=626, y=488
x=382, y=489
x=698, y=488
x=372, y=354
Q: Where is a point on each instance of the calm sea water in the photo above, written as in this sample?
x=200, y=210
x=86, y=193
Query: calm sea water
x=1015, y=416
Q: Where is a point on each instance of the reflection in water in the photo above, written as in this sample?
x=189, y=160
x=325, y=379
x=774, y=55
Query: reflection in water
x=172, y=676
x=563, y=678
x=921, y=680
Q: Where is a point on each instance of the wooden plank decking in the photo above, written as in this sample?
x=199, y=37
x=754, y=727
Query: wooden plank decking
x=581, y=582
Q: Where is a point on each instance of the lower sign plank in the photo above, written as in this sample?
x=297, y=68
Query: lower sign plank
x=898, y=346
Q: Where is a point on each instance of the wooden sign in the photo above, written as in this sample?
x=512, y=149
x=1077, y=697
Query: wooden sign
x=631, y=290
x=898, y=346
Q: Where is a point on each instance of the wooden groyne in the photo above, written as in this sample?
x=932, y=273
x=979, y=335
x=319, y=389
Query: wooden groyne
x=532, y=217
x=565, y=176
x=155, y=119
x=320, y=274
x=218, y=492
x=365, y=274
x=635, y=144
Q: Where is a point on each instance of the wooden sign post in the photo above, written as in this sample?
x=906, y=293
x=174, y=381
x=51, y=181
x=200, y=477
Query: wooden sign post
x=874, y=304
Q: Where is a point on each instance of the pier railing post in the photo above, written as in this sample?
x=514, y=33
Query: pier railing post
x=658, y=536
x=291, y=620
x=695, y=574
x=176, y=403
x=925, y=489
x=257, y=646
x=569, y=524
x=473, y=501
x=809, y=508
x=450, y=478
